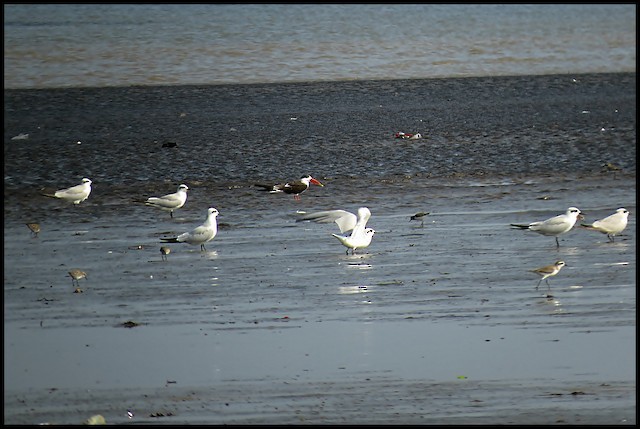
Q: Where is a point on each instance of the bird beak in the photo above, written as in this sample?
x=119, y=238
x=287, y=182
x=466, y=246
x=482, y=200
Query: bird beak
x=581, y=216
x=315, y=182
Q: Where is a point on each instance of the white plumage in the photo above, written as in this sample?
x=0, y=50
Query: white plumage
x=354, y=233
x=611, y=225
x=75, y=194
x=170, y=202
x=200, y=235
x=554, y=226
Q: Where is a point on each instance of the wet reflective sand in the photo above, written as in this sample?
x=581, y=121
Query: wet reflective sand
x=440, y=323
x=274, y=323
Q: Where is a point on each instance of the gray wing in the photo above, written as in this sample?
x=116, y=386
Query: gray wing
x=75, y=192
x=345, y=220
x=170, y=201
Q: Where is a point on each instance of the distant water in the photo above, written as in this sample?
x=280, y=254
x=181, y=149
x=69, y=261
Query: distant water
x=51, y=46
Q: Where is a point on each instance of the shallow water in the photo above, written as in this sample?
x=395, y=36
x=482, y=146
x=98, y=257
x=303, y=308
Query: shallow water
x=89, y=45
x=274, y=323
x=275, y=301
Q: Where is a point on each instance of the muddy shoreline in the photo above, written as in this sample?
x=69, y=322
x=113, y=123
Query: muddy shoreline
x=237, y=134
x=274, y=324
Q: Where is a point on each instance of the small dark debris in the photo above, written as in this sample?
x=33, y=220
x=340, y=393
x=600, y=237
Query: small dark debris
x=130, y=324
x=170, y=144
x=161, y=414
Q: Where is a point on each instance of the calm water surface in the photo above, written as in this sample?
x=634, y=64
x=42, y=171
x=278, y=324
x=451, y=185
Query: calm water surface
x=121, y=45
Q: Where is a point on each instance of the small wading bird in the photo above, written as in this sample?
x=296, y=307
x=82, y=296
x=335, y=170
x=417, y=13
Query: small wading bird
x=200, y=235
x=76, y=275
x=419, y=216
x=75, y=194
x=610, y=225
x=354, y=233
x=164, y=251
x=610, y=167
x=296, y=187
x=169, y=202
x=548, y=271
x=35, y=229
x=554, y=226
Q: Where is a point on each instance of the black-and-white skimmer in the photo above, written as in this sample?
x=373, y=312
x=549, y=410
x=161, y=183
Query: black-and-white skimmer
x=296, y=187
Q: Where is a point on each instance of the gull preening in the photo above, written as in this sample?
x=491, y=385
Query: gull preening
x=200, y=235
x=296, y=187
x=75, y=194
x=548, y=271
x=354, y=233
x=169, y=202
x=610, y=225
x=554, y=226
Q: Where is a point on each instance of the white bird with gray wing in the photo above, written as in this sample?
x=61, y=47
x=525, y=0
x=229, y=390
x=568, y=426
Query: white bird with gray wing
x=554, y=226
x=200, y=235
x=611, y=225
x=75, y=194
x=354, y=233
x=170, y=202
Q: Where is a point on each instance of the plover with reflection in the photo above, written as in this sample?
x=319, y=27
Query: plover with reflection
x=76, y=275
x=548, y=271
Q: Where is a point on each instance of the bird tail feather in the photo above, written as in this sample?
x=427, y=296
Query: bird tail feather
x=264, y=187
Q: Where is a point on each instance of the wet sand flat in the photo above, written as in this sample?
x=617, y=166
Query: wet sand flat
x=276, y=324
x=438, y=323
